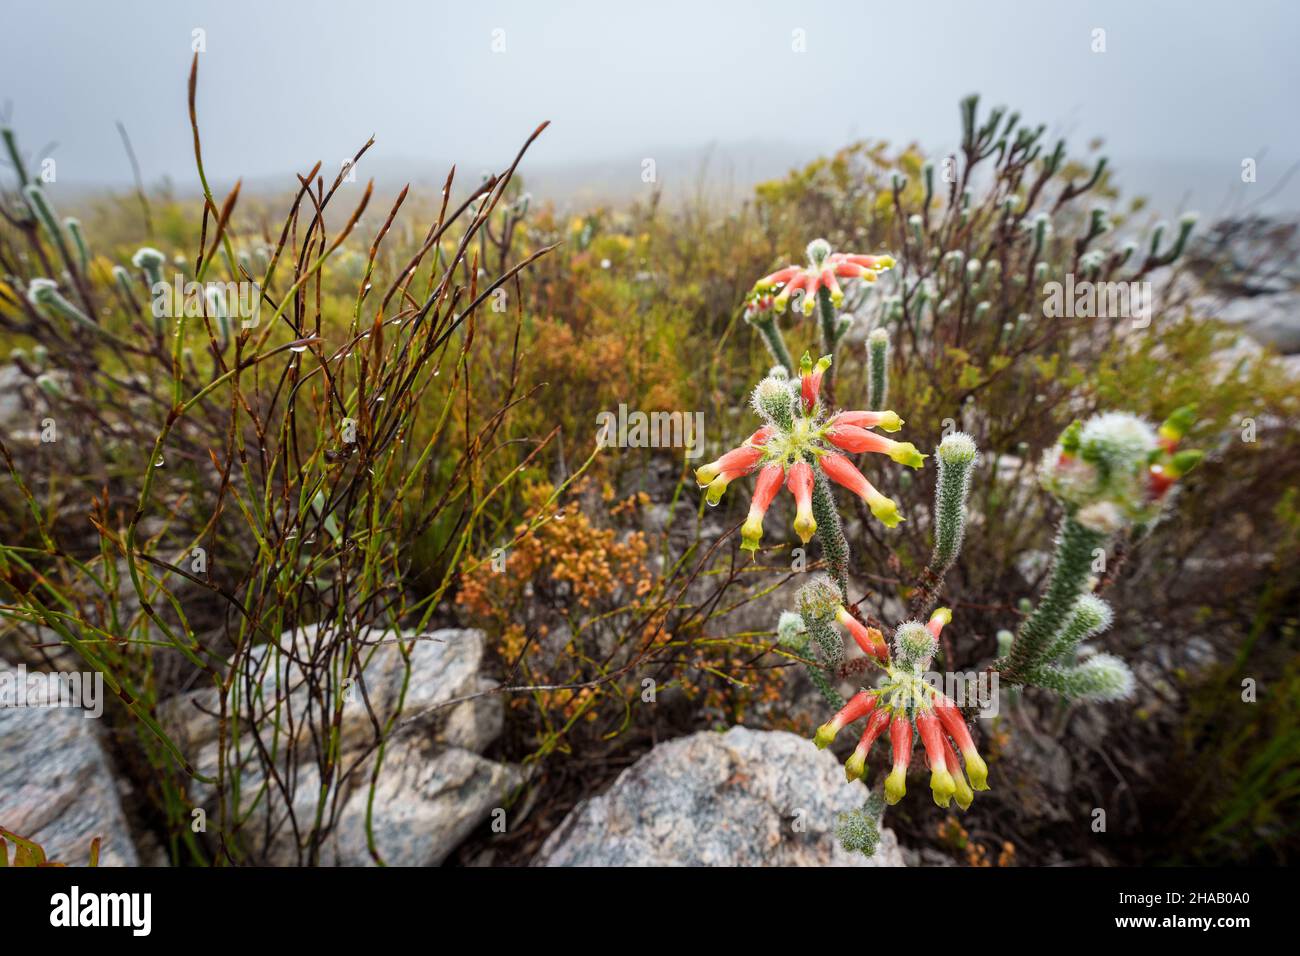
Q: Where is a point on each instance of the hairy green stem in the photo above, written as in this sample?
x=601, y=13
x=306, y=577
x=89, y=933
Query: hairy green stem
x=830, y=532
x=1075, y=545
x=775, y=342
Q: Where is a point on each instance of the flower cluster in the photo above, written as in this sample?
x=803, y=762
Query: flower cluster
x=824, y=270
x=901, y=700
x=798, y=440
x=1115, y=469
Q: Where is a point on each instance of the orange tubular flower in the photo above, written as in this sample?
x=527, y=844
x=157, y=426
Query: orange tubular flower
x=889, y=421
x=955, y=725
x=900, y=739
x=770, y=479
x=799, y=479
x=841, y=471
x=901, y=698
x=855, y=439
x=962, y=792
x=859, y=705
x=718, y=474
x=938, y=619
x=847, y=265
x=869, y=639
x=811, y=381
x=856, y=765
x=823, y=271
x=941, y=782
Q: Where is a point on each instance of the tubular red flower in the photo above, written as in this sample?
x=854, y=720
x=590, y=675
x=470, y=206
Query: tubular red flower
x=811, y=380
x=962, y=792
x=799, y=479
x=716, y=475
x=854, y=439
x=859, y=705
x=851, y=270
x=797, y=282
x=938, y=619
x=870, y=262
x=941, y=782
x=869, y=639
x=889, y=421
x=735, y=463
x=900, y=739
x=827, y=280
x=841, y=471
x=821, y=272
x=777, y=277
x=1159, y=481
x=856, y=765
x=770, y=479
x=955, y=725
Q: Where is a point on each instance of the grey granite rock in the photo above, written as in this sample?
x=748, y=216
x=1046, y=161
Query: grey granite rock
x=428, y=800
x=433, y=787
x=1270, y=319
x=444, y=666
x=740, y=798
x=56, y=786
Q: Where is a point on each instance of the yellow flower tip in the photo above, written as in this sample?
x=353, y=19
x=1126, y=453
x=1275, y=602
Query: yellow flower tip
x=977, y=770
x=808, y=305
x=885, y=510
x=891, y=422
x=855, y=766
x=837, y=299
x=823, y=364
x=963, y=794
x=825, y=734
x=905, y=453
x=886, y=262
x=705, y=474
x=942, y=786
x=805, y=525
x=751, y=532
x=942, y=615
x=717, y=487
x=780, y=302
x=869, y=276
x=895, y=786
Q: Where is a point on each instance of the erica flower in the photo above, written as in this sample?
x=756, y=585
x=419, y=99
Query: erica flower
x=842, y=471
x=902, y=700
x=796, y=448
x=819, y=603
x=1115, y=469
x=799, y=479
x=716, y=475
x=770, y=478
x=824, y=270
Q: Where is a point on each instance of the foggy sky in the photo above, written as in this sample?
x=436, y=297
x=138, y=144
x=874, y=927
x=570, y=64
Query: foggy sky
x=1191, y=86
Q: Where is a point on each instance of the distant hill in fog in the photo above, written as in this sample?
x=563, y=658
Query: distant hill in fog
x=728, y=172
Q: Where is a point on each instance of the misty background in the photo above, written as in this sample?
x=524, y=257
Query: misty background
x=715, y=93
